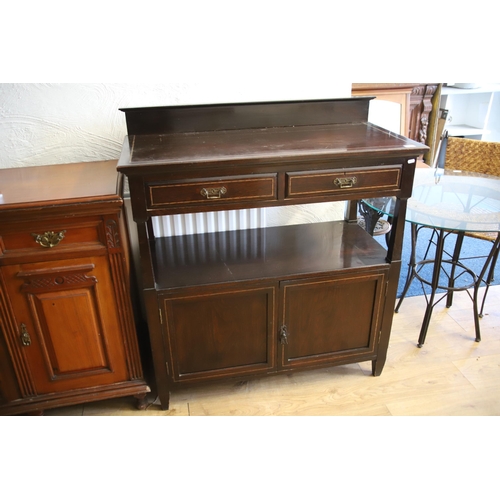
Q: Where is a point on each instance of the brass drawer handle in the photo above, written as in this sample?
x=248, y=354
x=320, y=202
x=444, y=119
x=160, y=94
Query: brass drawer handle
x=49, y=239
x=213, y=193
x=345, y=182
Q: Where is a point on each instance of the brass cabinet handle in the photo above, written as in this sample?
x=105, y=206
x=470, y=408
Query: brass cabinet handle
x=345, y=182
x=49, y=239
x=25, y=336
x=213, y=193
x=284, y=335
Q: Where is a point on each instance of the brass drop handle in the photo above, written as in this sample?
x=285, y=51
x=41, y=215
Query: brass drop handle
x=25, y=336
x=49, y=239
x=213, y=193
x=284, y=335
x=345, y=182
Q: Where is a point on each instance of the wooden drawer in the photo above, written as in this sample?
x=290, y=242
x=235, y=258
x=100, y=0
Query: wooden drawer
x=212, y=191
x=343, y=181
x=51, y=236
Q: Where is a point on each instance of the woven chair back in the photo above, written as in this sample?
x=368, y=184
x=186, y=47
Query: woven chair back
x=473, y=156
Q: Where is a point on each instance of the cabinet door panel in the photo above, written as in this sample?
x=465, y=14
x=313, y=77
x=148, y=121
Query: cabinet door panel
x=328, y=319
x=68, y=317
x=70, y=332
x=221, y=333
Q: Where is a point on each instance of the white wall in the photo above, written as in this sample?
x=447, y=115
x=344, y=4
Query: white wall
x=241, y=51
x=51, y=123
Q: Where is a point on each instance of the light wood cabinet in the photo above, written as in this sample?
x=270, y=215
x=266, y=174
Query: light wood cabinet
x=68, y=331
x=415, y=105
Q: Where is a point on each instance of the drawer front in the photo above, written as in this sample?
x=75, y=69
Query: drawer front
x=343, y=182
x=212, y=191
x=51, y=236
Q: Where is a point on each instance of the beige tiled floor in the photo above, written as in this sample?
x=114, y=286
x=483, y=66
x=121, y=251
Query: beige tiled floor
x=450, y=375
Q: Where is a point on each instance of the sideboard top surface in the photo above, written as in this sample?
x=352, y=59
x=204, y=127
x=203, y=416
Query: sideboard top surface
x=36, y=188
x=271, y=145
x=197, y=135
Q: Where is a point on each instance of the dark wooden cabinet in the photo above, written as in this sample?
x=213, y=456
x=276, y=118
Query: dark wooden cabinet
x=250, y=302
x=67, y=326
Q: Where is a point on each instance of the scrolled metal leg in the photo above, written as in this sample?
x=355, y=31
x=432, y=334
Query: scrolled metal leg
x=435, y=282
x=491, y=260
x=411, y=267
x=491, y=275
x=455, y=258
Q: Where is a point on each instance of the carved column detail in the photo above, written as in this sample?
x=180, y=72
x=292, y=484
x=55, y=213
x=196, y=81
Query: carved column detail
x=122, y=293
x=420, y=110
x=112, y=234
x=10, y=331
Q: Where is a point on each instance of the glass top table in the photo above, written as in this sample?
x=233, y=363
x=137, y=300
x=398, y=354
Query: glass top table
x=450, y=202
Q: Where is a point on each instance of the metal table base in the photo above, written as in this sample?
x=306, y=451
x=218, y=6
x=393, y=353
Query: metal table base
x=450, y=287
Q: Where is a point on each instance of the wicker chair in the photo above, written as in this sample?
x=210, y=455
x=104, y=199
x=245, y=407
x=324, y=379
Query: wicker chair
x=473, y=156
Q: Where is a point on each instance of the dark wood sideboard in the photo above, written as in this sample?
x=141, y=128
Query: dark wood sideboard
x=67, y=326
x=263, y=301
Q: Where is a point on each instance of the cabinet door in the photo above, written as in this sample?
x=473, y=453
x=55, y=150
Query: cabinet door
x=323, y=321
x=221, y=332
x=68, y=330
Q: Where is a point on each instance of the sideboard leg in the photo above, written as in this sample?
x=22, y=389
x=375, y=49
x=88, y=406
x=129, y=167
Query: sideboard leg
x=165, y=404
x=141, y=403
x=378, y=366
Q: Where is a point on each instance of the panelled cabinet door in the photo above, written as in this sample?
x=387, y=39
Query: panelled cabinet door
x=330, y=319
x=67, y=323
x=220, y=332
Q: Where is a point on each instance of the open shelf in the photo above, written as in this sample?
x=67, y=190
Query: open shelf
x=276, y=253
x=472, y=112
x=482, y=89
x=464, y=130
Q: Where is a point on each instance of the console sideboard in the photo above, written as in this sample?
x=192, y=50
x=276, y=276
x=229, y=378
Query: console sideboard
x=263, y=301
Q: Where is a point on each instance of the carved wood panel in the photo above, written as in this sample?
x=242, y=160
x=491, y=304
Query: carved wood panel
x=418, y=108
x=67, y=322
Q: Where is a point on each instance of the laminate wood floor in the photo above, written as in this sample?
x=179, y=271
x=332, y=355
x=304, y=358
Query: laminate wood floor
x=450, y=375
